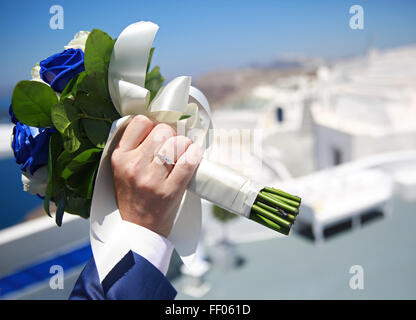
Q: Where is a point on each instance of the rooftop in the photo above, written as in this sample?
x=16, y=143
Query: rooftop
x=374, y=94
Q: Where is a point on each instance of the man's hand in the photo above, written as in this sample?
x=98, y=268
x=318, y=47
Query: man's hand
x=148, y=191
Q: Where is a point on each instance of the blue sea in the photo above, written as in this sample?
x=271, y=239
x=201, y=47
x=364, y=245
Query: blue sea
x=14, y=202
x=4, y=109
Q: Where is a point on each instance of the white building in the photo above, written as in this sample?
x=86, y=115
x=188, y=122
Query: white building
x=350, y=110
x=366, y=106
x=281, y=110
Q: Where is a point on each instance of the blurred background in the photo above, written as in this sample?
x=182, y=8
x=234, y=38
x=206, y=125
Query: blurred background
x=333, y=92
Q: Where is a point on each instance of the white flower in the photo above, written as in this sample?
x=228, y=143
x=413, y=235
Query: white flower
x=79, y=41
x=36, y=183
x=35, y=73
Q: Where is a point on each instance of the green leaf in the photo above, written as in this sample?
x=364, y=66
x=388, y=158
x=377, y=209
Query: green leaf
x=55, y=183
x=66, y=120
x=48, y=196
x=97, y=115
x=184, y=116
x=63, y=159
x=32, y=102
x=60, y=117
x=47, y=200
x=89, y=186
x=97, y=131
x=89, y=156
x=95, y=107
x=149, y=60
x=77, y=205
x=71, y=88
x=94, y=83
x=98, y=49
x=82, y=183
x=154, y=81
x=60, y=209
x=66, y=157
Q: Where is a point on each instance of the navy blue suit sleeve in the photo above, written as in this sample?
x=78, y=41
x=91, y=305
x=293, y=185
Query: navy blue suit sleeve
x=133, y=278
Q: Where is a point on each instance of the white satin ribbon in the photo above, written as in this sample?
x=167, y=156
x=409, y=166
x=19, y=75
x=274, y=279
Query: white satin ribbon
x=221, y=185
x=225, y=187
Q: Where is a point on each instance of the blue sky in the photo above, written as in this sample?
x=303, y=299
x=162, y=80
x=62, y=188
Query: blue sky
x=200, y=36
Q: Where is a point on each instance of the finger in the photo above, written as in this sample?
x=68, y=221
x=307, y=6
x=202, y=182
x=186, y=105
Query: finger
x=135, y=133
x=185, y=167
x=155, y=140
x=172, y=149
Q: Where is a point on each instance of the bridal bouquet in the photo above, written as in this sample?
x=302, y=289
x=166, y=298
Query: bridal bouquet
x=69, y=118
x=63, y=118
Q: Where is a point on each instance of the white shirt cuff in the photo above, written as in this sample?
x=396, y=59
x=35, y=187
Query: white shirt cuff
x=150, y=245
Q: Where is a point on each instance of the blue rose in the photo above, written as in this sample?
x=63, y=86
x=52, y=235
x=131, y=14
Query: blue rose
x=30, y=145
x=59, y=69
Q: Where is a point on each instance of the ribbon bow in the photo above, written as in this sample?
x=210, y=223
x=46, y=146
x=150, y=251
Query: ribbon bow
x=126, y=79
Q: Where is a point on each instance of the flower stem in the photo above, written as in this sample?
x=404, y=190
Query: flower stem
x=280, y=221
x=287, y=216
x=282, y=193
x=277, y=203
x=275, y=209
x=268, y=223
x=283, y=199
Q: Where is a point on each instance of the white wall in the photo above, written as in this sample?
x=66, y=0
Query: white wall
x=296, y=150
x=326, y=139
x=354, y=147
x=364, y=146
